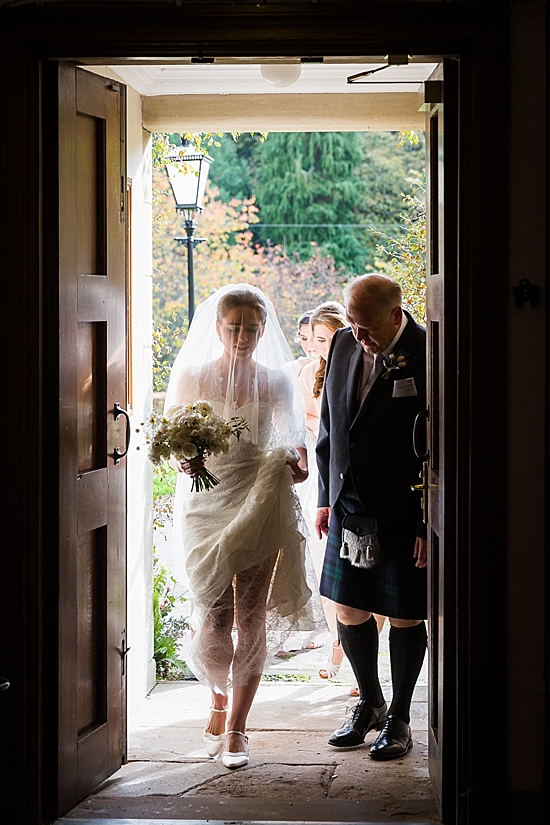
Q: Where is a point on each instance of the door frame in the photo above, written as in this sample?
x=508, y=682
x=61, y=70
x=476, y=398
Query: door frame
x=466, y=30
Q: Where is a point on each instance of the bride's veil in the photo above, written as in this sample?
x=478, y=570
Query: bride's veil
x=202, y=347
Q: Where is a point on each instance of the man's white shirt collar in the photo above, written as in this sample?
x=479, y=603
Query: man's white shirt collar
x=398, y=334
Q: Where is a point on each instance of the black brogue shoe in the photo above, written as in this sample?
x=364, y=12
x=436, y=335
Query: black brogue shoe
x=363, y=718
x=393, y=741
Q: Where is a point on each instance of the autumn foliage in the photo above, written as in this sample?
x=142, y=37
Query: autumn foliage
x=228, y=256
x=295, y=281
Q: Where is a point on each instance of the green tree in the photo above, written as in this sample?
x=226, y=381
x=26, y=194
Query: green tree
x=311, y=178
x=404, y=257
x=235, y=167
x=387, y=165
x=295, y=280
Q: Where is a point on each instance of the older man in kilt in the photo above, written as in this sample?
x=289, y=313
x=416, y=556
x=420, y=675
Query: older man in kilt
x=375, y=385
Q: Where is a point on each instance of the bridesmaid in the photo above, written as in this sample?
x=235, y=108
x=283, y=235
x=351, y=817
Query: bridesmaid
x=324, y=321
x=304, y=337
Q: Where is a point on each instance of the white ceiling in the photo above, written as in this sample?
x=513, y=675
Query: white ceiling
x=215, y=79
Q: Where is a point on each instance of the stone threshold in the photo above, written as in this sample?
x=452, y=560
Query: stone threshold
x=162, y=810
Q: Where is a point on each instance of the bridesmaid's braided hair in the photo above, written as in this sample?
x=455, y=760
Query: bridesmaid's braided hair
x=332, y=315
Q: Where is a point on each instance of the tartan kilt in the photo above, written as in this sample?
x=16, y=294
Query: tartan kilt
x=394, y=588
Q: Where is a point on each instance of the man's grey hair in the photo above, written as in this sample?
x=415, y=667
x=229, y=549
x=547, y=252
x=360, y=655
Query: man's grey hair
x=382, y=289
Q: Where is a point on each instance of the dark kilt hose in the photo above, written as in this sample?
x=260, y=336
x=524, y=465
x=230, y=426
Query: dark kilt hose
x=367, y=464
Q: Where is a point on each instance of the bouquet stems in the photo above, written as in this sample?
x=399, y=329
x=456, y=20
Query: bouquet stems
x=204, y=480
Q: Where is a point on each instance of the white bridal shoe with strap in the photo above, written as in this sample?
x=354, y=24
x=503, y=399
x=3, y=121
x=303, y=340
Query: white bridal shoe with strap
x=235, y=760
x=214, y=742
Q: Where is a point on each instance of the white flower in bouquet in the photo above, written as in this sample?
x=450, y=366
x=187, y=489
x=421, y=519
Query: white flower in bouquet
x=192, y=431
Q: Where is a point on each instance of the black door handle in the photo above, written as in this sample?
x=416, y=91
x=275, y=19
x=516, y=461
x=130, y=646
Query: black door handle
x=422, y=454
x=4, y=683
x=123, y=652
x=118, y=453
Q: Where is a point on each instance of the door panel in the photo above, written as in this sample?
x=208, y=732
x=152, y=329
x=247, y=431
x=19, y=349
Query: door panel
x=91, y=566
x=93, y=482
x=92, y=397
x=440, y=472
x=90, y=183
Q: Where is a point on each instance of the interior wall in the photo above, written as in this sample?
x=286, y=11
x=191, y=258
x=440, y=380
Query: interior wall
x=141, y=665
x=527, y=431
x=284, y=112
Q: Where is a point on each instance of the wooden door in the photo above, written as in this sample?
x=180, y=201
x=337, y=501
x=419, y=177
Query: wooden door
x=441, y=94
x=92, y=516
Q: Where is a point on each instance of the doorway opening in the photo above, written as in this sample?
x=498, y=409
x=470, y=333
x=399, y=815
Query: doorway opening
x=139, y=477
x=140, y=566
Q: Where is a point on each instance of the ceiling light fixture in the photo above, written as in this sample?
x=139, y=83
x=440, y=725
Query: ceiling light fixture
x=281, y=75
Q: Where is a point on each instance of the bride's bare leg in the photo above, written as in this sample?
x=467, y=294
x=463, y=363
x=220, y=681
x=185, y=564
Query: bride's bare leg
x=217, y=721
x=251, y=591
x=216, y=650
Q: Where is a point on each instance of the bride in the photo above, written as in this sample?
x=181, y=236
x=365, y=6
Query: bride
x=242, y=541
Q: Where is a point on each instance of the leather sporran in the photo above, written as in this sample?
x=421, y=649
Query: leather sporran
x=360, y=544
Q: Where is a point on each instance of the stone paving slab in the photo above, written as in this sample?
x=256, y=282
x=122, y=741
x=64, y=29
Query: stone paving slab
x=275, y=781
x=159, y=778
x=265, y=745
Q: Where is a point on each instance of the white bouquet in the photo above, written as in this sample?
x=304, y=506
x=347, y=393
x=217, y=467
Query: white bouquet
x=192, y=431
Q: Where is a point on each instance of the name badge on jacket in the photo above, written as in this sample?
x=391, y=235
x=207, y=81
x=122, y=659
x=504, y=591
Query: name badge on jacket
x=403, y=387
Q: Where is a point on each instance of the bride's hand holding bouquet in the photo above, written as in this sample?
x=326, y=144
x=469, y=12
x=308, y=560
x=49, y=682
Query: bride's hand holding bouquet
x=190, y=433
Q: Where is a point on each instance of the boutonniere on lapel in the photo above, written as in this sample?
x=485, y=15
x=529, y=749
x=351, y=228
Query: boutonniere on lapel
x=394, y=361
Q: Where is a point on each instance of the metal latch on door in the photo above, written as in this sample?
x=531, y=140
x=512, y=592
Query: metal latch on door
x=123, y=652
x=423, y=487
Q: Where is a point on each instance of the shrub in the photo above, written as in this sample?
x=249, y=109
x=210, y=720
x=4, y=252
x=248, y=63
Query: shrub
x=168, y=629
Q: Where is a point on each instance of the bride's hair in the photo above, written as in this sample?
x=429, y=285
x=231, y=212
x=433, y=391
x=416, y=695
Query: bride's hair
x=241, y=297
x=332, y=315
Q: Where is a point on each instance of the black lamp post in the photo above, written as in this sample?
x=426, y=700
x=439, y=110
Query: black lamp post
x=188, y=173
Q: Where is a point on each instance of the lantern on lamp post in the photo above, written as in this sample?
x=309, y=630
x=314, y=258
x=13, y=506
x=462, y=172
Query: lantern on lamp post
x=187, y=171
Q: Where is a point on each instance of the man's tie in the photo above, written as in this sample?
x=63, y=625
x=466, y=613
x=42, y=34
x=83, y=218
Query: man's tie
x=377, y=365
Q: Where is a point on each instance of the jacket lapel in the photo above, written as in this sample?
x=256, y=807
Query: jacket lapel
x=354, y=376
x=378, y=389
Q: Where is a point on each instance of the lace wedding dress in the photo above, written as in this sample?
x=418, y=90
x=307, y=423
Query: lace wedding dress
x=243, y=541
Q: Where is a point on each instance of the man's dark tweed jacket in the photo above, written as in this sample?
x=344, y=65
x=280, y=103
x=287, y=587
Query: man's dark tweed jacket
x=373, y=442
